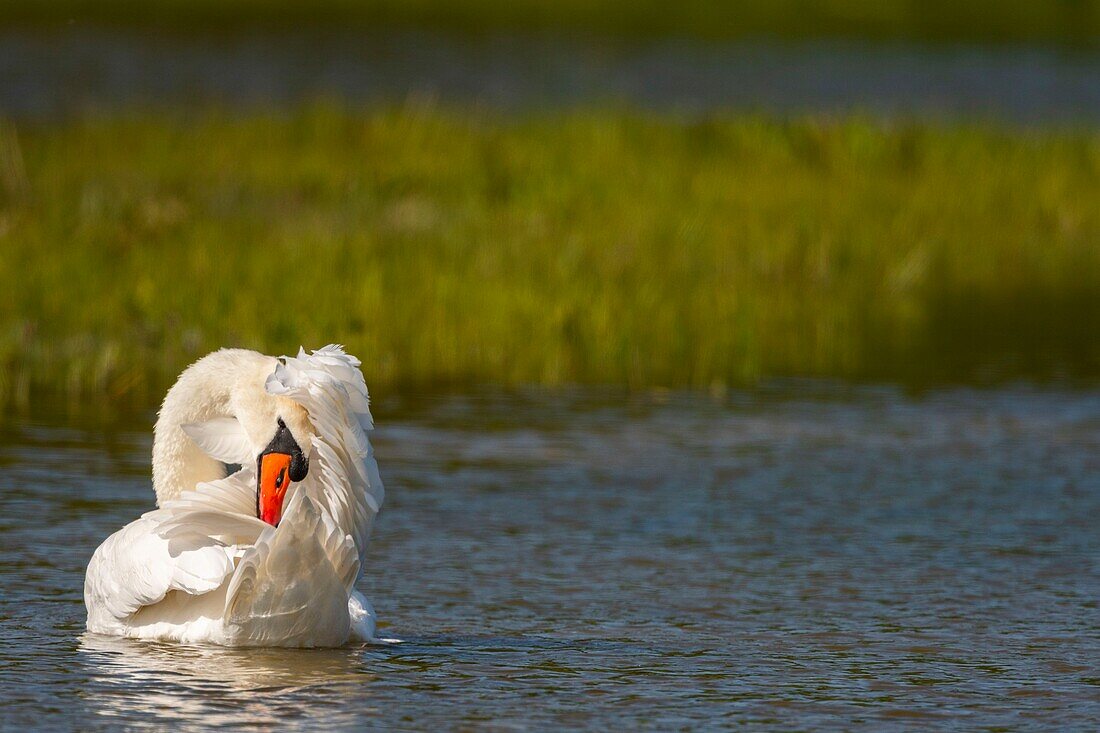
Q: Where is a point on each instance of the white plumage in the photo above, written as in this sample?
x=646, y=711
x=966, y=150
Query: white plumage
x=203, y=567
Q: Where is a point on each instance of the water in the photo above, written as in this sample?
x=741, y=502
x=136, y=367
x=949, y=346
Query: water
x=66, y=72
x=798, y=558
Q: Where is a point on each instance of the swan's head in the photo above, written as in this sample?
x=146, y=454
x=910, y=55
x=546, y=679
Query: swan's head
x=278, y=464
x=234, y=407
x=278, y=429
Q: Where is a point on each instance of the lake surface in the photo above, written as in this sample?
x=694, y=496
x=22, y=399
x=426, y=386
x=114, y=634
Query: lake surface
x=80, y=69
x=796, y=558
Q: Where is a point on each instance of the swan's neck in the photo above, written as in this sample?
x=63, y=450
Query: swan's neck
x=204, y=391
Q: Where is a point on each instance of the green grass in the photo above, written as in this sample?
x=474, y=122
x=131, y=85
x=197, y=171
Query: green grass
x=450, y=246
x=1065, y=22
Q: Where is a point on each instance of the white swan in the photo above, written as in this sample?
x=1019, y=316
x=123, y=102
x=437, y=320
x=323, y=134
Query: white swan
x=265, y=556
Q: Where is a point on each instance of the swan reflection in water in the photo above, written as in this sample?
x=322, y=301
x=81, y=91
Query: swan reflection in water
x=219, y=686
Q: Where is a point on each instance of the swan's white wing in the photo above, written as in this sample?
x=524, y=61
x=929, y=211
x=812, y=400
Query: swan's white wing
x=291, y=587
x=184, y=546
x=343, y=479
x=223, y=439
x=224, y=510
x=234, y=494
x=136, y=567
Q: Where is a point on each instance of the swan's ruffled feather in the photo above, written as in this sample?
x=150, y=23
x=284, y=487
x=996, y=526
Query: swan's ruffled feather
x=137, y=567
x=222, y=438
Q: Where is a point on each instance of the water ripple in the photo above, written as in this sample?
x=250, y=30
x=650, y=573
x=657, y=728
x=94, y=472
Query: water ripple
x=593, y=560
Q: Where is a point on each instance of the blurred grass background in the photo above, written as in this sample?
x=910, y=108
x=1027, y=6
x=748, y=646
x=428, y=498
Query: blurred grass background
x=1059, y=22
x=451, y=245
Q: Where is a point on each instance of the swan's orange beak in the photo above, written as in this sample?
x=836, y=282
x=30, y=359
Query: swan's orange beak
x=274, y=481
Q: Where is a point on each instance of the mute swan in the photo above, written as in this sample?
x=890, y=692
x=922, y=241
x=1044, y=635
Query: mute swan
x=269, y=554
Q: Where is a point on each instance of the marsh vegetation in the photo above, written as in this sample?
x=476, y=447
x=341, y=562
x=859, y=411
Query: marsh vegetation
x=451, y=245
